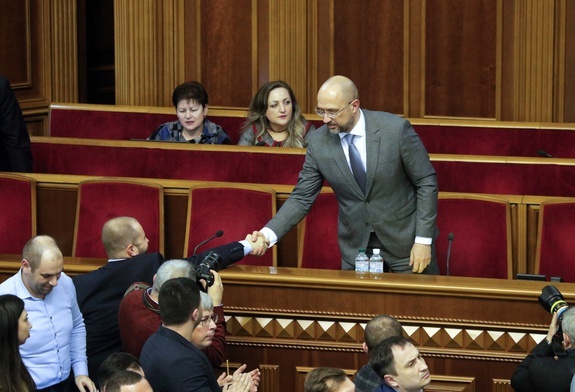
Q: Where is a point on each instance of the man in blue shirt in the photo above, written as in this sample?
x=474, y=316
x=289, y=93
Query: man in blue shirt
x=58, y=343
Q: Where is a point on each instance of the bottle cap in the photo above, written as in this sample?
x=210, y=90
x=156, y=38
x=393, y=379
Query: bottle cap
x=362, y=250
x=376, y=251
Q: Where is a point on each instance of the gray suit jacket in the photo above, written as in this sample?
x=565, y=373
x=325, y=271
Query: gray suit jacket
x=401, y=200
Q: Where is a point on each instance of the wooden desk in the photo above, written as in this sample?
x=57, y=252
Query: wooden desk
x=472, y=332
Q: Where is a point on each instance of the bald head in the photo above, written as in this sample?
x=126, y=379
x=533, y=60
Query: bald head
x=380, y=328
x=338, y=100
x=124, y=237
x=340, y=88
x=36, y=247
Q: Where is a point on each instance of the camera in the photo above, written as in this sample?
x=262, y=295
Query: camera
x=552, y=300
x=212, y=261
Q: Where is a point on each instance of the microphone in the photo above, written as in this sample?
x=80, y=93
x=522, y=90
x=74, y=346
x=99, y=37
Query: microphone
x=219, y=233
x=544, y=154
x=450, y=239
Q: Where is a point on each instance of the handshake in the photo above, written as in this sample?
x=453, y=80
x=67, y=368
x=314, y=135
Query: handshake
x=259, y=243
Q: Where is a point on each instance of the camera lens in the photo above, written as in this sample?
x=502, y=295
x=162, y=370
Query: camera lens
x=552, y=300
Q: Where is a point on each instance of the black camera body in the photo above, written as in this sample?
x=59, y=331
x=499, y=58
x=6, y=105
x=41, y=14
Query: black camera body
x=552, y=300
x=212, y=261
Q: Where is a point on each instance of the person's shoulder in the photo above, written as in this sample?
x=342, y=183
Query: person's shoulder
x=383, y=116
x=4, y=83
x=155, y=257
x=8, y=286
x=66, y=281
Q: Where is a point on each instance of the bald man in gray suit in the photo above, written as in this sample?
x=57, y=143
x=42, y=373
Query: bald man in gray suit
x=392, y=208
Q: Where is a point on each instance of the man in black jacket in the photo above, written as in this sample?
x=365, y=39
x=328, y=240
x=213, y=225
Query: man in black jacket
x=15, y=152
x=543, y=370
x=100, y=292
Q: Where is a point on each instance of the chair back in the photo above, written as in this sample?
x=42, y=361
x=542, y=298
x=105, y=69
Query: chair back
x=318, y=234
x=237, y=210
x=555, y=236
x=481, y=227
x=17, y=212
x=103, y=199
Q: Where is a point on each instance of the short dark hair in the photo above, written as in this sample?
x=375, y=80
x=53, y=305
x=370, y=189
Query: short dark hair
x=380, y=328
x=113, y=364
x=122, y=378
x=381, y=356
x=317, y=379
x=190, y=90
x=178, y=298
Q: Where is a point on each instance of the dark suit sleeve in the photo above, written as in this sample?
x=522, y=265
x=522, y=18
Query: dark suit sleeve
x=521, y=380
x=230, y=253
x=14, y=138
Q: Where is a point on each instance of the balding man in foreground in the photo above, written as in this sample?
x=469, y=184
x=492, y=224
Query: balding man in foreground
x=58, y=344
x=382, y=177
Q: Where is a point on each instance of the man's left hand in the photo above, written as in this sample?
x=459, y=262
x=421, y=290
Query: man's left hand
x=85, y=384
x=420, y=257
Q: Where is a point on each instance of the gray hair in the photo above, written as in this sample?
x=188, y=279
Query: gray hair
x=173, y=269
x=207, y=303
x=568, y=323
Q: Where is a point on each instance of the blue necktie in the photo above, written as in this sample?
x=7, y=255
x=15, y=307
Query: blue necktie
x=356, y=162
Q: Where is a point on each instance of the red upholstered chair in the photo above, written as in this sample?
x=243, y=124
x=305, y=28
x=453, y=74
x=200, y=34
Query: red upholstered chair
x=237, y=210
x=17, y=212
x=481, y=226
x=102, y=200
x=317, y=235
x=555, y=255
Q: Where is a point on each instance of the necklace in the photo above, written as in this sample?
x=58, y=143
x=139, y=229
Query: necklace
x=274, y=131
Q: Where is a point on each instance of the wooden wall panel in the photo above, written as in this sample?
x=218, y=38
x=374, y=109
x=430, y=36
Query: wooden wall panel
x=25, y=41
x=148, y=50
x=460, y=58
x=534, y=60
x=227, y=51
x=288, y=46
x=567, y=113
x=64, y=51
x=368, y=47
x=15, y=37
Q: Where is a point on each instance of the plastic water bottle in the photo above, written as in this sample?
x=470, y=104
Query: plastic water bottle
x=376, y=264
x=362, y=264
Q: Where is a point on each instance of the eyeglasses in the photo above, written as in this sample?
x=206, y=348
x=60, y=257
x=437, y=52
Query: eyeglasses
x=330, y=113
x=205, y=321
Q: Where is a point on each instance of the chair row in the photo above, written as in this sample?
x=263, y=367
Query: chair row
x=474, y=137
x=455, y=173
x=480, y=224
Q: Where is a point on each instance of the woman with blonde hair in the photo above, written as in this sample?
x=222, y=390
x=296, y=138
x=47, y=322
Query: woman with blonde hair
x=274, y=119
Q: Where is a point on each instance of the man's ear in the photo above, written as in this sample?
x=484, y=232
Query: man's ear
x=131, y=250
x=26, y=267
x=196, y=315
x=364, y=348
x=567, y=343
x=388, y=378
